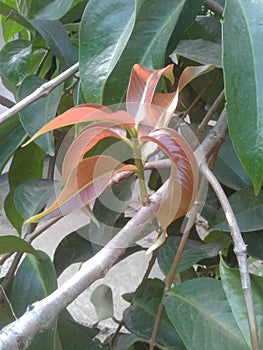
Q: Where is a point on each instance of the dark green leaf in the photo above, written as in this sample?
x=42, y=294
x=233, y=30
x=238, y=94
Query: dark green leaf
x=39, y=112
x=57, y=39
x=201, y=51
x=27, y=163
x=14, y=60
x=10, y=142
x=243, y=83
x=11, y=244
x=192, y=254
x=73, y=334
x=254, y=243
x=247, y=208
x=32, y=195
x=33, y=281
x=139, y=318
x=125, y=341
x=48, y=9
x=228, y=169
x=6, y=315
x=147, y=45
x=102, y=299
x=105, y=29
x=199, y=311
x=232, y=287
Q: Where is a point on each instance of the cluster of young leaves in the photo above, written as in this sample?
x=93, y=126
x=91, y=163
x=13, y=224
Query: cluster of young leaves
x=110, y=37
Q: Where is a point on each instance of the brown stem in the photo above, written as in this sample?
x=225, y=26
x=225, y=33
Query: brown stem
x=214, y=7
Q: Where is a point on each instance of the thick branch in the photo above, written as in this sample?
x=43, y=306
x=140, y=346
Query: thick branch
x=42, y=91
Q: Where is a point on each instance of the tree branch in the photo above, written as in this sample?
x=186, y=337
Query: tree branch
x=214, y=7
x=42, y=91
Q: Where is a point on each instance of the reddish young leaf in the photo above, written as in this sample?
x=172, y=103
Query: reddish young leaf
x=182, y=186
x=86, y=113
x=86, y=183
x=85, y=140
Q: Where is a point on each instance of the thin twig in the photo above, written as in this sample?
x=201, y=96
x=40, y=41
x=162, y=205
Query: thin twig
x=214, y=7
x=42, y=91
x=240, y=251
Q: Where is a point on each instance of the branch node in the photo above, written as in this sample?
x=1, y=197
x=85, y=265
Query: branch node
x=22, y=343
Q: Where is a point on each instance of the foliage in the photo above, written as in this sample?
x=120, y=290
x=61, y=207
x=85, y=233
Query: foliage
x=139, y=62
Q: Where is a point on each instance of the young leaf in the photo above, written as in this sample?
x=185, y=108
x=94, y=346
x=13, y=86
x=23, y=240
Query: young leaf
x=86, y=113
x=86, y=182
x=11, y=244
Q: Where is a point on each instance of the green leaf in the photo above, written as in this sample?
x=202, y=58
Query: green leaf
x=33, y=281
x=147, y=45
x=11, y=13
x=11, y=244
x=200, y=312
x=228, y=169
x=27, y=163
x=193, y=252
x=39, y=112
x=201, y=51
x=243, y=76
x=9, y=142
x=254, y=243
x=14, y=60
x=58, y=41
x=73, y=334
x=48, y=9
x=105, y=29
x=32, y=195
x=140, y=316
x=6, y=315
x=248, y=210
x=125, y=341
x=232, y=287
x=102, y=299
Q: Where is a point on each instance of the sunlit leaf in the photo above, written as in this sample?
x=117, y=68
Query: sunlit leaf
x=86, y=182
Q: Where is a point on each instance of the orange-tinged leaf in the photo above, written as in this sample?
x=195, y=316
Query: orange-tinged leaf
x=182, y=185
x=85, y=140
x=86, y=183
x=86, y=113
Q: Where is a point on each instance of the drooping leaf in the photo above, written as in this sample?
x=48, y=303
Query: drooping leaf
x=48, y=9
x=193, y=252
x=104, y=32
x=200, y=312
x=85, y=140
x=11, y=244
x=14, y=60
x=86, y=182
x=32, y=195
x=86, y=113
x=140, y=316
x=39, y=112
x=102, y=300
x=243, y=77
x=33, y=281
x=183, y=181
x=27, y=163
x=248, y=210
x=232, y=287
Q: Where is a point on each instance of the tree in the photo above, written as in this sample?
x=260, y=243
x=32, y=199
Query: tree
x=161, y=58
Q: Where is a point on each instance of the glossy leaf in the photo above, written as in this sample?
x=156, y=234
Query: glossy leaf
x=27, y=163
x=183, y=180
x=14, y=60
x=85, y=140
x=86, y=113
x=33, y=281
x=86, y=182
x=200, y=312
x=57, y=39
x=39, y=112
x=48, y=9
x=243, y=78
x=193, y=252
x=102, y=300
x=228, y=169
x=140, y=316
x=248, y=210
x=104, y=32
x=11, y=244
x=232, y=287
x=32, y=195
